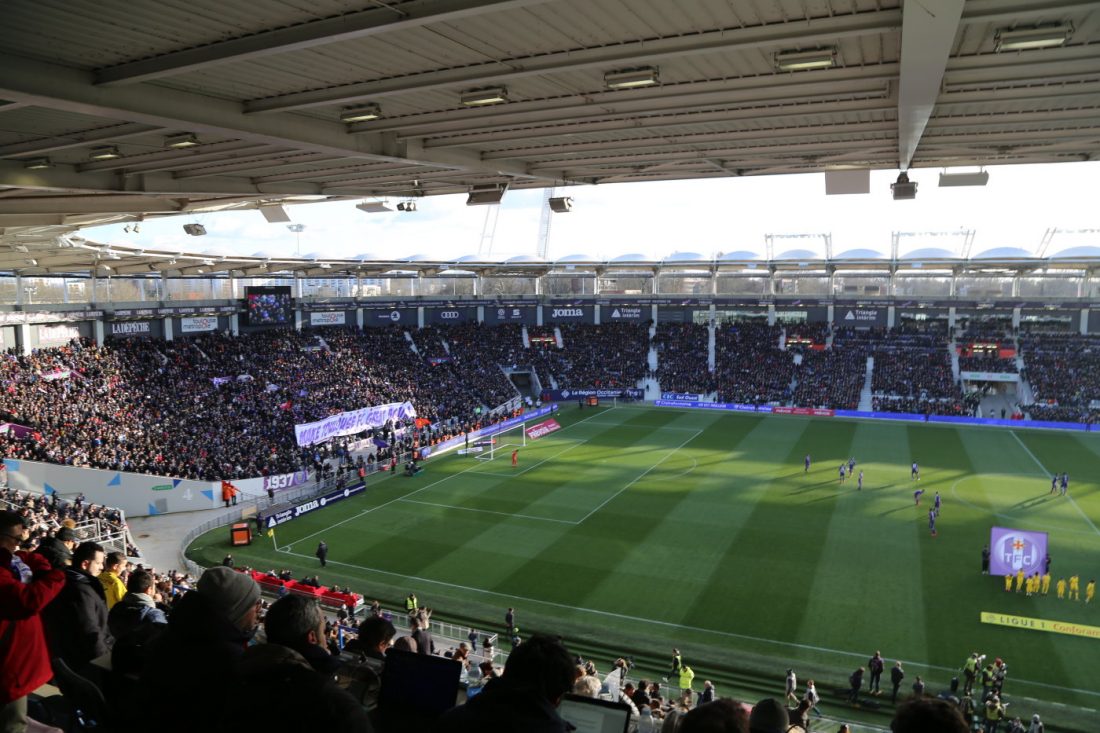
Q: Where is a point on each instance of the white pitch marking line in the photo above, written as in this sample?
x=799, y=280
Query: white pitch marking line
x=640, y=477
x=644, y=427
x=488, y=511
x=417, y=491
x=666, y=624
x=1048, y=473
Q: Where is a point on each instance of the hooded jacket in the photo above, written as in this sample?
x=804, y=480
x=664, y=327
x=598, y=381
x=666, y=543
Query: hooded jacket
x=24, y=659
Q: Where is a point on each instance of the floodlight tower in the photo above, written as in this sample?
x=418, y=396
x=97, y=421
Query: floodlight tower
x=545, y=218
x=297, y=229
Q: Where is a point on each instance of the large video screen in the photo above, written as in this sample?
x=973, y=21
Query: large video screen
x=269, y=306
x=1011, y=550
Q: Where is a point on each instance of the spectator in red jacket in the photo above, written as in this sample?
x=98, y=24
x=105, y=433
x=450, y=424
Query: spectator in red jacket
x=27, y=583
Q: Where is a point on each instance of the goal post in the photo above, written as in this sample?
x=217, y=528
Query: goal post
x=506, y=440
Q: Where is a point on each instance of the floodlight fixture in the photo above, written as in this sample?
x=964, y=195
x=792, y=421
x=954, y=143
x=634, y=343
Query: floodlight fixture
x=486, y=195
x=903, y=189
x=1026, y=39
x=195, y=230
x=561, y=204
x=373, y=207
x=818, y=58
x=37, y=164
x=183, y=140
x=979, y=178
x=104, y=152
x=644, y=76
x=361, y=114
x=484, y=96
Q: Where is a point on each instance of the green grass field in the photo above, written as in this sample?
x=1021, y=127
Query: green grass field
x=643, y=527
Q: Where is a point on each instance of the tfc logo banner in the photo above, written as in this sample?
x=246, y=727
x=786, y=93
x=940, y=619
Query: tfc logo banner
x=543, y=428
x=1012, y=550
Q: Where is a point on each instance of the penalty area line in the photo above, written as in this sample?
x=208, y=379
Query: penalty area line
x=1048, y=473
x=424, y=488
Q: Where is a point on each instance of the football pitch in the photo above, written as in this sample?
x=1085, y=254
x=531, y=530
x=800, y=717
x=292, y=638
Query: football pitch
x=649, y=527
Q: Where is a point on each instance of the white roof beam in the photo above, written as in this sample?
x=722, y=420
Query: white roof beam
x=877, y=103
x=75, y=140
x=86, y=204
x=820, y=30
x=57, y=87
x=673, y=99
x=345, y=27
x=928, y=32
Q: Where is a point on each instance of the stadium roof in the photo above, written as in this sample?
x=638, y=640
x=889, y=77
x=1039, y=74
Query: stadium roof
x=112, y=94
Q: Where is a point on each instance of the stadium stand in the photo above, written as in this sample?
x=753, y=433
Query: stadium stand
x=750, y=367
x=1063, y=371
x=682, y=358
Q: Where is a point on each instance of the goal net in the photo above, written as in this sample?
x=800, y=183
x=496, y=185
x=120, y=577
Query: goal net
x=506, y=440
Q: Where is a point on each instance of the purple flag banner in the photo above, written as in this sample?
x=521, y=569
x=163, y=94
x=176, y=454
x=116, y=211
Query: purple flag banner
x=1011, y=550
x=350, y=423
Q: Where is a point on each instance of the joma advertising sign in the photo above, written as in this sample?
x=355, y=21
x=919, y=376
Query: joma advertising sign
x=568, y=313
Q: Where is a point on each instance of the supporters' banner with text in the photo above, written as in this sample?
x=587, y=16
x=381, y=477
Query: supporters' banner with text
x=543, y=428
x=1012, y=550
x=349, y=423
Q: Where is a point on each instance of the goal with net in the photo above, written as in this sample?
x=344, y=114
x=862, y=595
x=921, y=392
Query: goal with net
x=506, y=440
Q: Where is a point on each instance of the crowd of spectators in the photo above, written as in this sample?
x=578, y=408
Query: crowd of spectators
x=1063, y=371
x=217, y=406
x=990, y=330
x=913, y=374
x=750, y=368
x=992, y=364
x=682, y=350
x=832, y=378
x=609, y=356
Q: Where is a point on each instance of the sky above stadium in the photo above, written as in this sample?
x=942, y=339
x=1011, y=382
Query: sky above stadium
x=707, y=217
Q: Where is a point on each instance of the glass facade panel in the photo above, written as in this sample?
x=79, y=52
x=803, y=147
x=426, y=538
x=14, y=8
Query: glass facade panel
x=1049, y=287
x=742, y=285
x=810, y=283
x=684, y=284
x=326, y=287
x=983, y=286
x=509, y=286
x=449, y=286
x=38, y=290
x=626, y=285
x=564, y=285
x=851, y=285
x=922, y=286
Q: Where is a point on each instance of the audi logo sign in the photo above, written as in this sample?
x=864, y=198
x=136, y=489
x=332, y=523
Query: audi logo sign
x=449, y=315
x=567, y=313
